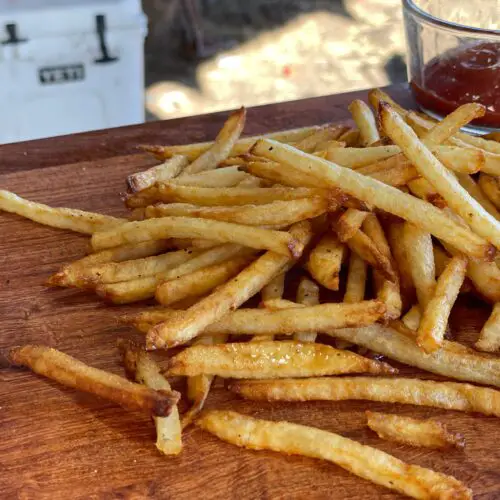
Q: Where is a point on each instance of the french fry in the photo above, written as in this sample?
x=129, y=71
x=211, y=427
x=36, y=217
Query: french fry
x=350, y=137
x=140, y=367
x=275, y=213
x=349, y=222
x=69, y=275
x=489, y=338
x=200, y=282
x=376, y=96
x=356, y=279
x=197, y=243
x=278, y=304
x=61, y=218
x=193, y=151
x=221, y=177
x=325, y=261
x=271, y=359
x=365, y=121
x=191, y=227
x=396, y=176
x=312, y=142
x=424, y=190
x=222, y=145
x=167, y=170
x=412, y=318
x=445, y=183
x=227, y=297
x=413, y=432
x=307, y=295
x=71, y=372
x=198, y=387
x=385, y=197
x=144, y=288
x=447, y=395
x=364, y=461
x=418, y=245
x=435, y=315
x=273, y=290
x=475, y=191
x=115, y=272
x=490, y=186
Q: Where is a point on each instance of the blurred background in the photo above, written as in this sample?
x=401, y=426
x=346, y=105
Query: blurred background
x=211, y=55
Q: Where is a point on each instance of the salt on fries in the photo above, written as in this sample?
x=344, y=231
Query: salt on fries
x=395, y=218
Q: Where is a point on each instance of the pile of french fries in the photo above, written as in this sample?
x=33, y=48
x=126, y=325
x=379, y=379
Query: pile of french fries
x=358, y=239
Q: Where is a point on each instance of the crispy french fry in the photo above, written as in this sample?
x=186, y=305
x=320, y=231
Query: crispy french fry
x=198, y=387
x=325, y=261
x=413, y=432
x=418, y=245
x=349, y=222
x=364, y=461
x=227, y=297
x=489, y=338
x=307, y=295
x=365, y=121
x=356, y=279
x=221, y=177
x=143, y=369
x=376, y=96
x=200, y=282
x=198, y=243
x=191, y=227
x=271, y=359
x=447, y=395
x=70, y=273
x=223, y=145
x=61, y=218
x=396, y=176
x=275, y=213
x=424, y=190
x=435, y=314
x=167, y=170
x=385, y=197
x=412, y=318
x=350, y=137
x=445, y=182
x=71, y=372
x=327, y=133
x=274, y=289
x=193, y=151
x=490, y=186
x=278, y=303
x=144, y=288
x=468, y=183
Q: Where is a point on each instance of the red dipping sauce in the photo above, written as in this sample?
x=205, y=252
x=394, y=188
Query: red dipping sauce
x=459, y=76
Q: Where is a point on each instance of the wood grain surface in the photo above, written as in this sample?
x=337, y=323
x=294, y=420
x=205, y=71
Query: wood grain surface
x=58, y=443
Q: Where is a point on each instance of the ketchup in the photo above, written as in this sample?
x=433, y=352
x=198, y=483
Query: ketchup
x=462, y=75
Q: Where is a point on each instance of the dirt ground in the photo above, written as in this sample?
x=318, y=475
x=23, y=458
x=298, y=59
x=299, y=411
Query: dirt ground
x=261, y=51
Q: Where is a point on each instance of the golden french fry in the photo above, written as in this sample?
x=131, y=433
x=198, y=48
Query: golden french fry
x=490, y=186
x=167, y=170
x=313, y=142
x=61, y=218
x=489, y=338
x=356, y=279
x=413, y=432
x=71, y=372
x=418, y=245
x=475, y=191
x=275, y=213
x=274, y=289
x=221, y=177
x=412, y=318
x=199, y=282
x=227, y=297
x=385, y=197
x=271, y=359
x=187, y=243
x=307, y=295
x=223, y=145
x=277, y=304
x=376, y=96
x=350, y=137
x=348, y=223
x=424, y=190
x=193, y=151
x=325, y=261
x=70, y=273
x=143, y=369
x=396, y=176
x=444, y=181
x=231, y=161
x=365, y=121
x=364, y=461
x=191, y=227
x=435, y=314
x=447, y=395
x=144, y=288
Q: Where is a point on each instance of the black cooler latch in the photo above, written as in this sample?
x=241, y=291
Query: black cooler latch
x=12, y=36
x=100, y=30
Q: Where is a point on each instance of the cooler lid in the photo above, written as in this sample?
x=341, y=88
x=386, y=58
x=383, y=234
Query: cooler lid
x=49, y=18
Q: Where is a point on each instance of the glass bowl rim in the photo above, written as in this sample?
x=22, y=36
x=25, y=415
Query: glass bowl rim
x=410, y=6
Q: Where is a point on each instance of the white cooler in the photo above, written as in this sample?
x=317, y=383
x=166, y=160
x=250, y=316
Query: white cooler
x=70, y=66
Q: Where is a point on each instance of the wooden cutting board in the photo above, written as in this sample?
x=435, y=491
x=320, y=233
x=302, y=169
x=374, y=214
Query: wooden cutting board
x=59, y=443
